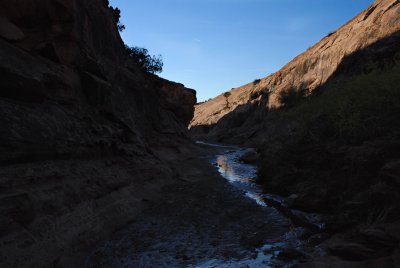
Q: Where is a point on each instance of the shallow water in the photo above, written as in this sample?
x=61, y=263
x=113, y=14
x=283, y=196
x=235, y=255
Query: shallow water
x=240, y=175
x=243, y=177
x=162, y=239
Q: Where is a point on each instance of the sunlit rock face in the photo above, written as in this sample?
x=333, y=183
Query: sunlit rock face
x=181, y=99
x=80, y=128
x=326, y=125
x=326, y=128
x=245, y=106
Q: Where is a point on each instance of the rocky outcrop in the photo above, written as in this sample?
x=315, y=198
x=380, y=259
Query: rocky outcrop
x=327, y=131
x=181, y=100
x=82, y=130
x=245, y=106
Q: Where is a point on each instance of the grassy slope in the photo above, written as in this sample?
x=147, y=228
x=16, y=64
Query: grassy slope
x=334, y=150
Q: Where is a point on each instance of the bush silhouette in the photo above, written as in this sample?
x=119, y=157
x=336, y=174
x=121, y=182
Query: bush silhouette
x=117, y=17
x=149, y=64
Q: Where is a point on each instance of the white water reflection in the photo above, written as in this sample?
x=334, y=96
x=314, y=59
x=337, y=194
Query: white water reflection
x=241, y=175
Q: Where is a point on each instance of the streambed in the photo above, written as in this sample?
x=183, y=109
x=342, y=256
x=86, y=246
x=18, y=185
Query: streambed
x=203, y=221
x=243, y=177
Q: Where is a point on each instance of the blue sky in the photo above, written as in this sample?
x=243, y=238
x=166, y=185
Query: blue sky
x=215, y=45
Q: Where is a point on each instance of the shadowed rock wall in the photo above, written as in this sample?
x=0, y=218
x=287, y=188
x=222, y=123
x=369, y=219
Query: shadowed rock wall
x=81, y=130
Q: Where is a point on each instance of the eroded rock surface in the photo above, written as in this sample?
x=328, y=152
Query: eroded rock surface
x=243, y=108
x=327, y=130
x=82, y=130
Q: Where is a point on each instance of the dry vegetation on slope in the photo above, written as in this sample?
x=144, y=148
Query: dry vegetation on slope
x=306, y=73
x=327, y=127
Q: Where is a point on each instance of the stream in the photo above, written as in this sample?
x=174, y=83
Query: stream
x=204, y=222
x=243, y=176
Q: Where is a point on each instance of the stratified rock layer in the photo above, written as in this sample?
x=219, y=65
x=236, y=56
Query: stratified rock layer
x=82, y=130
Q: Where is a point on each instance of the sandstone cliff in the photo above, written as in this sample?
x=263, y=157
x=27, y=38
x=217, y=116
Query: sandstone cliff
x=304, y=74
x=81, y=129
x=327, y=130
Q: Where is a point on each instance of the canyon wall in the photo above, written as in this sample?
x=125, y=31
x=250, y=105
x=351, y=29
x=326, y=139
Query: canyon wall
x=372, y=36
x=83, y=130
x=326, y=126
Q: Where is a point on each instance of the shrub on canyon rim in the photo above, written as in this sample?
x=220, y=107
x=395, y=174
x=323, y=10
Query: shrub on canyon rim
x=117, y=17
x=150, y=64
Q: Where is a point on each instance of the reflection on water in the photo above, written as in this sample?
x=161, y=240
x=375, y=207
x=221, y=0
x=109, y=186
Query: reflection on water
x=243, y=177
x=240, y=175
x=234, y=172
x=260, y=260
x=258, y=197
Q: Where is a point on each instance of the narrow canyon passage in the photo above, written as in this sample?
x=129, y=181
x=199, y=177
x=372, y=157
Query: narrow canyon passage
x=203, y=220
x=99, y=164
